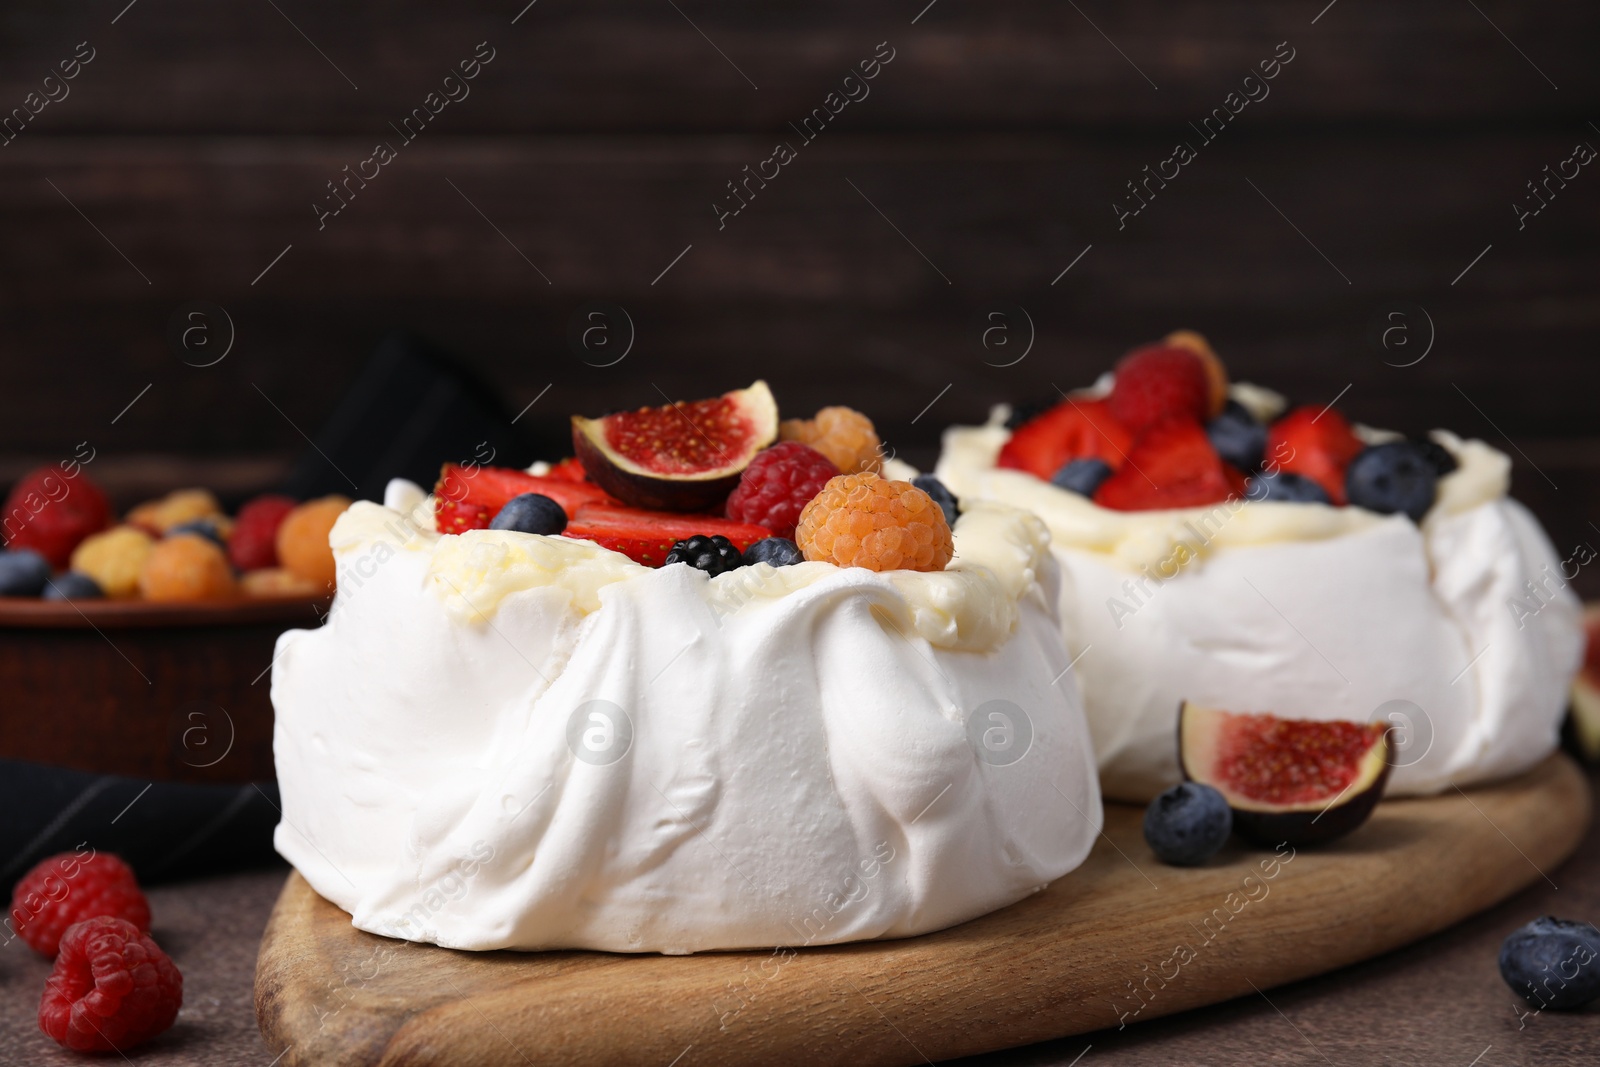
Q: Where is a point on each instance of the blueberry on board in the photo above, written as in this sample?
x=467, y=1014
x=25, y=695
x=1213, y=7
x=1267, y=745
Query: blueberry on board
x=1081, y=475
x=23, y=572
x=1186, y=825
x=941, y=496
x=1437, y=455
x=1553, y=963
x=1284, y=487
x=1238, y=438
x=206, y=528
x=73, y=586
x=1394, y=477
x=778, y=551
x=532, y=513
x=715, y=554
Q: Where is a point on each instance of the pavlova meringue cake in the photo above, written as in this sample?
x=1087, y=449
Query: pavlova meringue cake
x=1218, y=550
x=530, y=733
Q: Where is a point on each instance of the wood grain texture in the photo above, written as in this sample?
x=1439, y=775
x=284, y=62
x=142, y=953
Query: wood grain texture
x=163, y=692
x=631, y=65
x=1064, y=961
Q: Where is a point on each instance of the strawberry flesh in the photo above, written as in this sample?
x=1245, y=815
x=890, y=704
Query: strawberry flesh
x=1316, y=443
x=1173, y=465
x=647, y=536
x=468, y=497
x=1073, y=429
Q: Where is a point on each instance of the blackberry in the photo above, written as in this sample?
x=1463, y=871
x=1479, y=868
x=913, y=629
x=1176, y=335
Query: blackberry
x=1438, y=456
x=715, y=554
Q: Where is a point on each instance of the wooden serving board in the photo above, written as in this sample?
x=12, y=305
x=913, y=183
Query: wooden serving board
x=1065, y=961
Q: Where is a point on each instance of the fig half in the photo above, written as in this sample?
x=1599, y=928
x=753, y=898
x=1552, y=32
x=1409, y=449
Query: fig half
x=683, y=456
x=1299, y=781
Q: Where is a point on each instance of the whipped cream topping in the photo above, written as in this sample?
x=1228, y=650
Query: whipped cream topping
x=1309, y=611
x=502, y=740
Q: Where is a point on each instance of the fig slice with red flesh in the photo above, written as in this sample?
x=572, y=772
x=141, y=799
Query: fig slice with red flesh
x=679, y=457
x=1298, y=781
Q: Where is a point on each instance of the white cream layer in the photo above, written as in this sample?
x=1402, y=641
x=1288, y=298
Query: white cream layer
x=1308, y=611
x=799, y=770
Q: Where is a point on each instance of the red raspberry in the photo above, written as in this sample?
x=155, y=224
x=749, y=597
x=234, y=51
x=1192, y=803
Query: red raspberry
x=1157, y=383
x=69, y=888
x=50, y=513
x=779, y=482
x=254, y=542
x=112, y=988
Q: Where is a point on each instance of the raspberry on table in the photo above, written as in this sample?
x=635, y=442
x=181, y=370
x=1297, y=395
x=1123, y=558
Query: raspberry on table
x=779, y=482
x=112, y=988
x=52, y=513
x=863, y=520
x=68, y=888
x=114, y=559
x=842, y=434
x=303, y=539
x=254, y=544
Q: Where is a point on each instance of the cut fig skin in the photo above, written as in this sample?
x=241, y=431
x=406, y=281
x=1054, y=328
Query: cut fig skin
x=664, y=459
x=1204, y=735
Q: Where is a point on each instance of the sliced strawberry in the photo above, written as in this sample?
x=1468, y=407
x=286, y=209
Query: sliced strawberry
x=1316, y=443
x=468, y=497
x=1073, y=429
x=569, y=470
x=1160, y=382
x=1172, y=466
x=646, y=536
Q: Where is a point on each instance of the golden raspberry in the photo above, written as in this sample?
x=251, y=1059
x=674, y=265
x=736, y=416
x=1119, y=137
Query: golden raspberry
x=844, y=435
x=863, y=520
x=187, y=567
x=175, y=509
x=114, y=559
x=303, y=540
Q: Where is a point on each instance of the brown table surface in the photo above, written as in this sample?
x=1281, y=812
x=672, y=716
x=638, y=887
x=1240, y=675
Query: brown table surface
x=1440, y=1001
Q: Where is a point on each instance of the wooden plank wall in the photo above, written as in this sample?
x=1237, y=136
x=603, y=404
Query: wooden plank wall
x=985, y=157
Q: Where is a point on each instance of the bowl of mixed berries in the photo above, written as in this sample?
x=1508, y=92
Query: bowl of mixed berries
x=143, y=639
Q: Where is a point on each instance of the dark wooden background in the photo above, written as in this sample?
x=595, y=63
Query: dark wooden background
x=596, y=141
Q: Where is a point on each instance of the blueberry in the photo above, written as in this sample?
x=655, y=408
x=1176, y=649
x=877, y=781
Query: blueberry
x=1285, y=488
x=23, y=572
x=1392, y=477
x=778, y=551
x=532, y=513
x=206, y=528
x=941, y=496
x=73, y=586
x=715, y=554
x=1438, y=456
x=1082, y=475
x=1553, y=963
x=1238, y=438
x=1187, y=824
